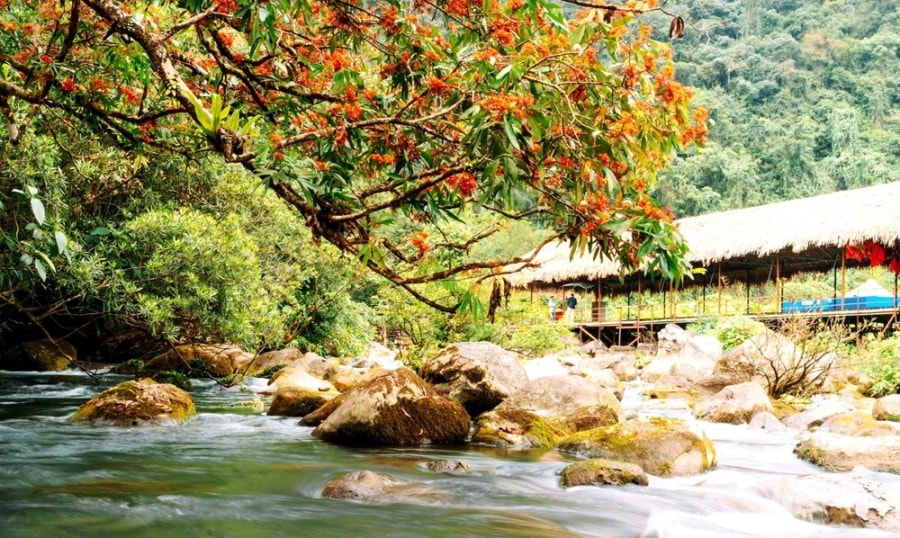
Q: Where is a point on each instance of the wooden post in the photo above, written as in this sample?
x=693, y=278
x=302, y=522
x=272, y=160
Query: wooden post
x=719, y=288
x=844, y=277
x=598, y=296
x=779, y=292
x=748, y=292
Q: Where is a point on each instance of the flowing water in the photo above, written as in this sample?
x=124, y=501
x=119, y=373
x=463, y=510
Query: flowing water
x=234, y=472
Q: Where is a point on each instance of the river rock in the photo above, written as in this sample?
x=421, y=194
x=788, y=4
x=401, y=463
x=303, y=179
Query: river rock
x=296, y=375
x=39, y=355
x=838, y=500
x=683, y=354
x=545, y=410
x=380, y=488
x=208, y=359
x=887, y=408
x=603, y=471
x=345, y=379
x=773, y=361
x=662, y=446
x=836, y=452
x=544, y=367
x=766, y=421
x=268, y=361
x=300, y=394
x=478, y=375
x=860, y=424
x=599, y=373
x=395, y=409
x=817, y=413
x=735, y=404
x=138, y=402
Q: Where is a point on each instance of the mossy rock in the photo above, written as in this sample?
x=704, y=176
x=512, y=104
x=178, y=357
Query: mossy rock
x=603, y=471
x=297, y=402
x=138, y=402
x=516, y=428
x=40, y=355
x=662, y=446
x=396, y=409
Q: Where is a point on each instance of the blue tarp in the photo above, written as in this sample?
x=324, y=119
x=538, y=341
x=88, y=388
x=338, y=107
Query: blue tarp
x=836, y=305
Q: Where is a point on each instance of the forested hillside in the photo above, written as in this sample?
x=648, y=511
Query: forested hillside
x=803, y=98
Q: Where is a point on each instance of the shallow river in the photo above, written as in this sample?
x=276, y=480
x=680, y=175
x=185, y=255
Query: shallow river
x=234, y=472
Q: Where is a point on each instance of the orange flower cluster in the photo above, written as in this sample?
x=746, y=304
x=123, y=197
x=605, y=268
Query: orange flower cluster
x=68, y=85
x=130, y=95
x=389, y=21
x=463, y=182
x=438, y=87
x=383, y=158
x=226, y=6
x=460, y=8
x=504, y=32
x=419, y=241
x=501, y=104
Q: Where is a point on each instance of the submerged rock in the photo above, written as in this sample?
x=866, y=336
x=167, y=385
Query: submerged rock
x=603, y=471
x=136, y=403
x=395, y=409
x=661, y=446
x=478, y=375
x=378, y=487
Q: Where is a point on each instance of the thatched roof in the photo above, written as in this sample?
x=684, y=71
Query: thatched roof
x=808, y=234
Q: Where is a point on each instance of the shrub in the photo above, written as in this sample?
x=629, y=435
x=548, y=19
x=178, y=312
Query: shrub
x=880, y=360
x=731, y=331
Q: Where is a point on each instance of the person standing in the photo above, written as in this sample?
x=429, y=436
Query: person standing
x=551, y=304
x=571, y=302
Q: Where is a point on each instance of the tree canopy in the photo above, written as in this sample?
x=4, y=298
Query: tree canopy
x=381, y=122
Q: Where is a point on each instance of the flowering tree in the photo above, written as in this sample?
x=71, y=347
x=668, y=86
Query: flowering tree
x=360, y=114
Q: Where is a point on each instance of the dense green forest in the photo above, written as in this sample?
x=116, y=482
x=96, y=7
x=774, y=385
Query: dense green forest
x=141, y=247
x=803, y=98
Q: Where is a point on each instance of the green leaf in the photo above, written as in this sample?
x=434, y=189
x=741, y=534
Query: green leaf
x=61, y=241
x=37, y=207
x=41, y=270
x=100, y=230
x=511, y=131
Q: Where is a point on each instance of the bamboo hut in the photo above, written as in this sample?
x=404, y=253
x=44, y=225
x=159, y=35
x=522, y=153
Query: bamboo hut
x=752, y=245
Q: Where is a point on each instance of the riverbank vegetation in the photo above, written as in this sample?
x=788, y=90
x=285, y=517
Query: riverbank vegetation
x=142, y=206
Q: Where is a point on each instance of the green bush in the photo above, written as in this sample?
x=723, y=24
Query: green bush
x=880, y=360
x=731, y=331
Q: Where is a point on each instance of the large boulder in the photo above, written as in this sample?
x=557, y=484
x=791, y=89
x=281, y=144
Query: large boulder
x=379, y=488
x=39, y=355
x=546, y=409
x=136, y=403
x=682, y=354
x=836, y=452
x=817, y=413
x=859, y=424
x=395, y=409
x=268, y=361
x=773, y=361
x=299, y=394
x=662, y=446
x=887, y=408
x=735, y=404
x=849, y=501
x=478, y=375
x=297, y=374
x=218, y=360
x=602, y=471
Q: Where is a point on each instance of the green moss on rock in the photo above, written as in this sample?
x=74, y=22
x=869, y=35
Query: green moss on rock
x=138, y=402
x=603, y=471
